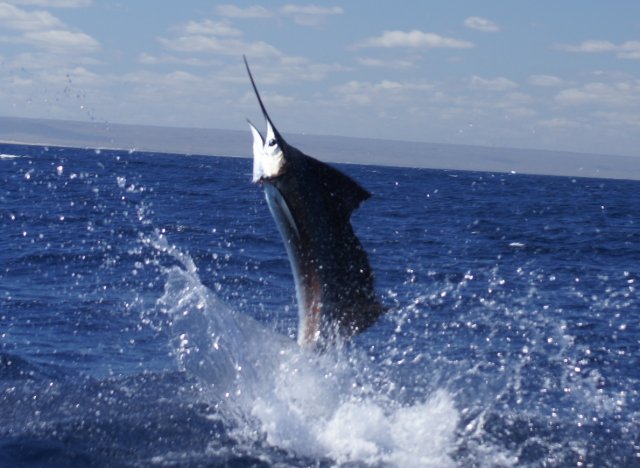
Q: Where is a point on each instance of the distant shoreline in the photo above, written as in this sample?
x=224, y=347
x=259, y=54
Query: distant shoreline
x=336, y=149
x=103, y=148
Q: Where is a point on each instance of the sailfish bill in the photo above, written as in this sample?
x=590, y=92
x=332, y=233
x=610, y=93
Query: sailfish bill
x=311, y=203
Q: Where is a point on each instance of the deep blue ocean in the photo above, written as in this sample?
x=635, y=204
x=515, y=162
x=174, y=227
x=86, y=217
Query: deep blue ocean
x=148, y=317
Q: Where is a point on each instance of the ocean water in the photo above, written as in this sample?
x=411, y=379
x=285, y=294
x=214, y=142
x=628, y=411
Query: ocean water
x=148, y=316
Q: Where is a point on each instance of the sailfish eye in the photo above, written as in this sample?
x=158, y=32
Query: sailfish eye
x=272, y=142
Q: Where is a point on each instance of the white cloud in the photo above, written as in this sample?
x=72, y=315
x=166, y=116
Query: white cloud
x=149, y=59
x=310, y=15
x=384, y=85
x=481, y=24
x=53, y=3
x=77, y=76
x=213, y=28
x=626, y=50
x=44, y=31
x=304, y=15
x=311, y=10
x=233, y=11
x=15, y=18
x=178, y=79
x=373, y=62
x=545, y=80
x=42, y=60
x=365, y=92
x=492, y=84
x=413, y=39
x=62, y=41
x=288, y=69
x=588, y=47
x=218, y=38
x=622, y=94
x=629, y=50
x=215, y=37
x=355, y=86
x=216, y=45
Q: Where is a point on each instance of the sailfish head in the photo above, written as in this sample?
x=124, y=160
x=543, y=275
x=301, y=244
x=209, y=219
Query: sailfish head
x=269, y=158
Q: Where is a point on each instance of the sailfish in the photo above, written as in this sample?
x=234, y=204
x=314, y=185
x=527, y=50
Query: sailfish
x=311, y=203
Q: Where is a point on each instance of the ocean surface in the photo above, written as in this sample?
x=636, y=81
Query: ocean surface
x=148, y=316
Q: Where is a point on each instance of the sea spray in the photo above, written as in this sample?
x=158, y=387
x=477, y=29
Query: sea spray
x=314, y=405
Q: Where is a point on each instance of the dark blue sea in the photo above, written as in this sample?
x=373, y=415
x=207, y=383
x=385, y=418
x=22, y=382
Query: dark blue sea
x=148, y=316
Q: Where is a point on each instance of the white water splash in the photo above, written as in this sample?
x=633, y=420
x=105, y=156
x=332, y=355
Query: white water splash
x=311, y=405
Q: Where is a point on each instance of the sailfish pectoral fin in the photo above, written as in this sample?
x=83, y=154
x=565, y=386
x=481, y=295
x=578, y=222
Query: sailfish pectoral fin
x=283, y=213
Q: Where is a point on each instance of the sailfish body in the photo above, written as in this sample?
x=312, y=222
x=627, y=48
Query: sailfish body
x=311, y=203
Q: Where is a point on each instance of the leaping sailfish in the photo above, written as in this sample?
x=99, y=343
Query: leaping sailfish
x=311, y=203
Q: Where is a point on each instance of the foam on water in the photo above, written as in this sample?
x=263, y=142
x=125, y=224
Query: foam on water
x=267, y=388
x=12, y=156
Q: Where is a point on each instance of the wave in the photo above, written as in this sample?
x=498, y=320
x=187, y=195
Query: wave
x=13, y=156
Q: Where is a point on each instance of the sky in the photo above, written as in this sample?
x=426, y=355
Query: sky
x=537, y=74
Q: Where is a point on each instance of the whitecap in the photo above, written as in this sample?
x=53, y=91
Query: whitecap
x=12, y=156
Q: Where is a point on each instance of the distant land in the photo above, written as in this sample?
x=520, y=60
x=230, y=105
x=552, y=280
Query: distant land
x=237, y=143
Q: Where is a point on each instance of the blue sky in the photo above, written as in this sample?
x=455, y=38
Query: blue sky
x=560, y=75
